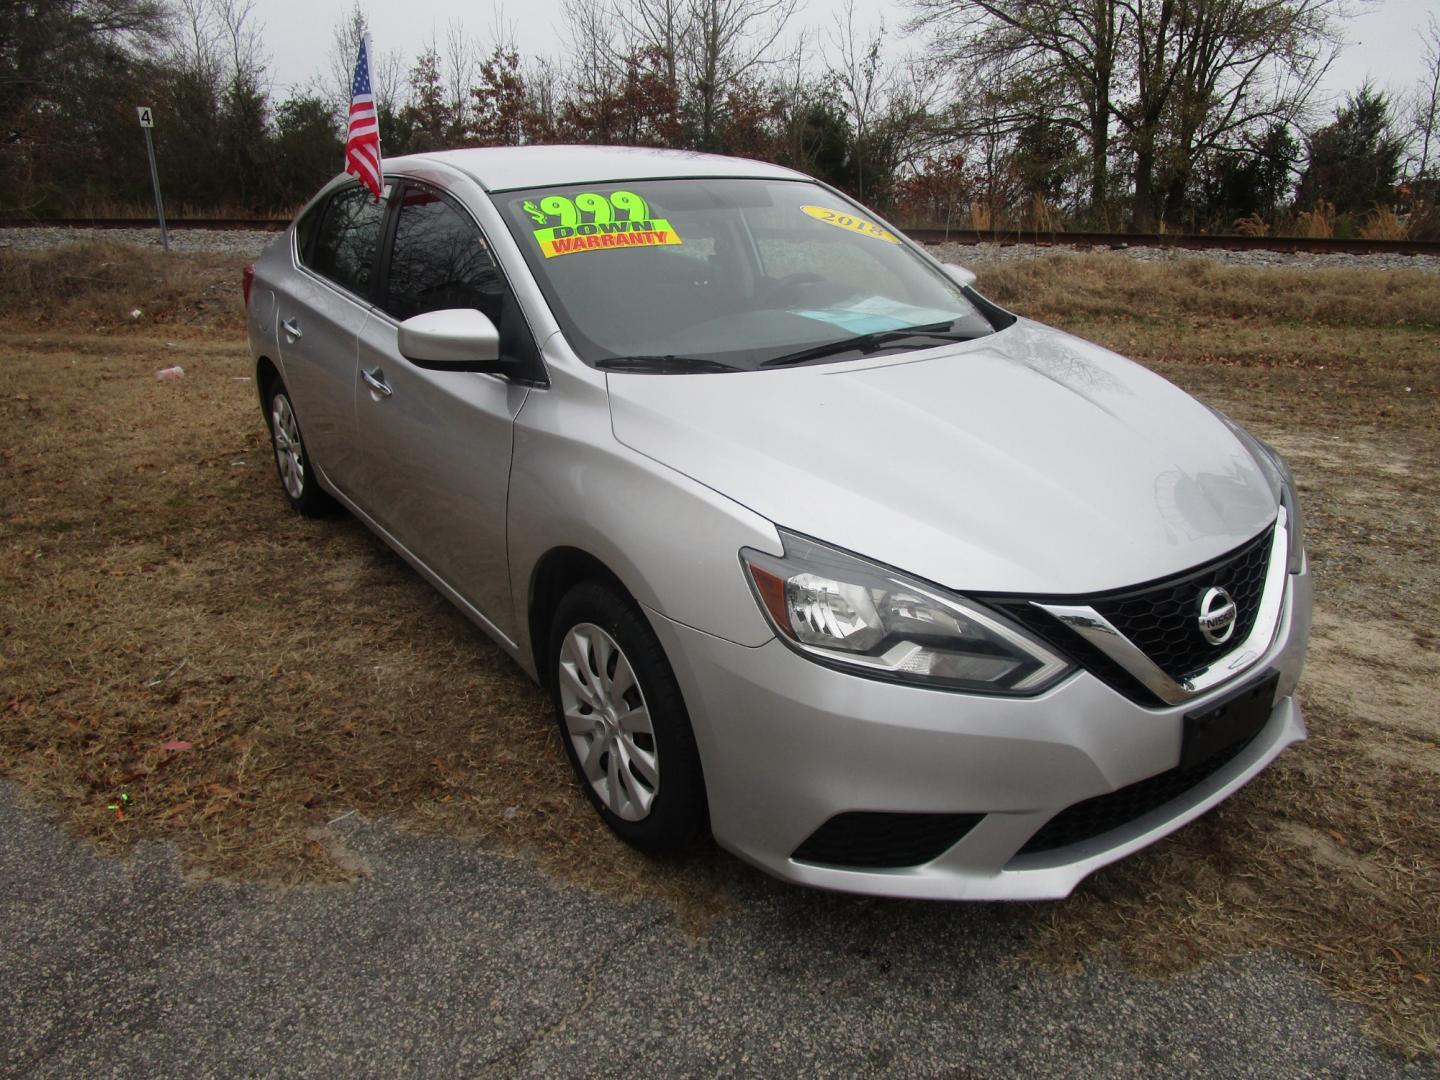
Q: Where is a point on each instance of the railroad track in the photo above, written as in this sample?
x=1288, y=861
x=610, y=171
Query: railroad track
x=1283, y=244
x=208, y=224
x=1290, y=245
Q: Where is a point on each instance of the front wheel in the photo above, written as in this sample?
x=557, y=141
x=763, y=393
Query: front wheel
x=623, y=721
x=291, y=460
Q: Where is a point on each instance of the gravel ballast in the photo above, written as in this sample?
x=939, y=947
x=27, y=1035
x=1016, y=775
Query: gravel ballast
x=245, y=242
x=981, y=254
x=249, y=242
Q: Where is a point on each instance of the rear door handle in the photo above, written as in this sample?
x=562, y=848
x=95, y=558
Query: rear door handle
x=292, y=329
x=376, y=381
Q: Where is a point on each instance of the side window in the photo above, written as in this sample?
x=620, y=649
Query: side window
x=347, y=239
x=439, y=260
x=305, y=230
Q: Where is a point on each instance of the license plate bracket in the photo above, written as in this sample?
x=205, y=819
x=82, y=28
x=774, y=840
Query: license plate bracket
x=1237, y=718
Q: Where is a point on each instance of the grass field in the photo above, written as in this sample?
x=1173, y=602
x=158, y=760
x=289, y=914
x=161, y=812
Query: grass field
x=156, y=588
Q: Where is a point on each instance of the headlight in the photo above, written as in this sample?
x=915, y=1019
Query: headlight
x=845, y=611
x=1282, y=482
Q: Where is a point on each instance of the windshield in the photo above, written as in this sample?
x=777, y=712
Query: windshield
x=718, y=275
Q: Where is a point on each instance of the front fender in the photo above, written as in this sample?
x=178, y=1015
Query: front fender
x=672, y=542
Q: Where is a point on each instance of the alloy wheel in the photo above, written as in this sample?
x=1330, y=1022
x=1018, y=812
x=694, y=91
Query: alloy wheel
x=608, y=722
x=288, y=453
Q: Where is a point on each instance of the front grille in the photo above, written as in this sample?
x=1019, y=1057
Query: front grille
x=1058, y=636
x=868, y=839
x=1095, y=817
x=1161, y=619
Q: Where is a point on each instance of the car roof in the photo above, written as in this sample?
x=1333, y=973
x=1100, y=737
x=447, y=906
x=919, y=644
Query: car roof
x=505, y=168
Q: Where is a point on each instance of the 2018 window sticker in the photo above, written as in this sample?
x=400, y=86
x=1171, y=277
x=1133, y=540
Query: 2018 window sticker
x=592, y=221
x=842, y=220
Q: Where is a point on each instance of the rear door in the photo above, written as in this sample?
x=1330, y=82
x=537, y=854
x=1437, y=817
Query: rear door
x=320, y=309
x=436, y=444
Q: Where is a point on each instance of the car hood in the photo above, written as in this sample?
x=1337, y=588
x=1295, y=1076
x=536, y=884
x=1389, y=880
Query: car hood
x=1028, y=461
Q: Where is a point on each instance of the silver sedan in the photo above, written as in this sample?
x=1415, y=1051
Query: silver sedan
x=818, y=550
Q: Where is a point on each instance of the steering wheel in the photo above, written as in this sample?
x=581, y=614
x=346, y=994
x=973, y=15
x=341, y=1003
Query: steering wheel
x=780, y=286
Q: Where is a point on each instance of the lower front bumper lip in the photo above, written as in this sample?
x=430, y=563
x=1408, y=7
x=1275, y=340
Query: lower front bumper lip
x=787, y=745
x=962, y=873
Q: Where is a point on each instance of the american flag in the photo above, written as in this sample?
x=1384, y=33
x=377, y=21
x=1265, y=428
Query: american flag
x=362, y=146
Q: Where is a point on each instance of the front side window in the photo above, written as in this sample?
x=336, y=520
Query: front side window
x=439, y=260
x=348, y=238
x=716, y=274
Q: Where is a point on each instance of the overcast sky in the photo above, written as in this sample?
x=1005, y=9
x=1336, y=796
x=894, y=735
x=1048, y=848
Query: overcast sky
x=1385, y=43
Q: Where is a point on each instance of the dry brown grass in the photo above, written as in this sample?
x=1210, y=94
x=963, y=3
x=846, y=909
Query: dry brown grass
x=1317, y=223
x=1384, y=224
x=1043, y=217
x=155, y=590
x=113, y=208
x=98, y=285
x=155, y=587
x=1254, y=225
x=1070, y=288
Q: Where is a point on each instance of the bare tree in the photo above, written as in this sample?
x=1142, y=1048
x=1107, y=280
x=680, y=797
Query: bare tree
x=387, y=69
x=246, y=97
x=195, y=43
x=1207, y=71
x=856, y=67
x=459, y=60
x=543, y=92
x=662, y=25
x=889, y=104
x=727, y=41
x=1425, y=106
x=796, y=91
x=241, y=35
x=596, y=71
x=1055, y=59
x=1176, y=77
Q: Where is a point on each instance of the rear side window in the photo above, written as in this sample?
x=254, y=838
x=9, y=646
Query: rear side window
x=348, y=238
x=439, y=260
x=305, y=230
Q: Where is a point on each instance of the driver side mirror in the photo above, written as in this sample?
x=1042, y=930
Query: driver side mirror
x=959, y=274
x=456, y=339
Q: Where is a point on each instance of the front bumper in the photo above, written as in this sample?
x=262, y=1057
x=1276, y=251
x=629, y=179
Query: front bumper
x=787, y=744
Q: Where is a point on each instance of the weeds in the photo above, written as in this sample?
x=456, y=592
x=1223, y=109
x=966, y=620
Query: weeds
x=1384, y=224
x=99, y=285
x=1317, y=223
x=1103, y=287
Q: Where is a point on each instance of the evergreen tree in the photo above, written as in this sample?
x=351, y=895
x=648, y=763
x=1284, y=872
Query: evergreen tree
x=1355, y=161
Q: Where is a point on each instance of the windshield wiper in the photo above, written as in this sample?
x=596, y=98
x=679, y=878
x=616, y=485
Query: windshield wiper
x=868, y=343
x=676, y=365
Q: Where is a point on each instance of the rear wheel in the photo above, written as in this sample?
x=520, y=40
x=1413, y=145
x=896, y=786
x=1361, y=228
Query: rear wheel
x=291, y=460
x=623, y=721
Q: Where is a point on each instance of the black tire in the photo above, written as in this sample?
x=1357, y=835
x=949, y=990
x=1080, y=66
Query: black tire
x=307, y=497
x=678, y=816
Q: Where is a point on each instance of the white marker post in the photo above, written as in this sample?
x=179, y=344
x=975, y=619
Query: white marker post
x=147, y=121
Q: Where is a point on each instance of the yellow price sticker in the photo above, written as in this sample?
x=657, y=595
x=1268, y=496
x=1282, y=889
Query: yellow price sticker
x=842, y=220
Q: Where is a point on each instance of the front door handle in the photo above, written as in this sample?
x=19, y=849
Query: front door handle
x=376, y=381
x=292, y=329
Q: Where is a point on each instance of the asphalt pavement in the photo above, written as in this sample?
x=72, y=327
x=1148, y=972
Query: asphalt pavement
x=449, y=960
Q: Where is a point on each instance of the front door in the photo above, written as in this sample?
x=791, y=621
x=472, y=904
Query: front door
x=436, y=444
